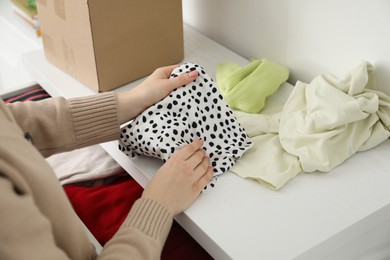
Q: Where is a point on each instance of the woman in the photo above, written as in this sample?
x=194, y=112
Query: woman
x=37, y=221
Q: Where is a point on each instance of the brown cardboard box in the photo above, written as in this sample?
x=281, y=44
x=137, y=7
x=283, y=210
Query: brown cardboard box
x=108, y=43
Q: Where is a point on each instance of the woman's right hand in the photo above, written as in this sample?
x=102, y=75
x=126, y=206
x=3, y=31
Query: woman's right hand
x=181, y=179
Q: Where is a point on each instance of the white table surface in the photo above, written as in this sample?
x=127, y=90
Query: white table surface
x=343, y=214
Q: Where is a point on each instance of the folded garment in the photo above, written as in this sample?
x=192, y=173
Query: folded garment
x=104, y=208
x=35, y=94
x=194, y=111
x=246, y=88
x=88, y=164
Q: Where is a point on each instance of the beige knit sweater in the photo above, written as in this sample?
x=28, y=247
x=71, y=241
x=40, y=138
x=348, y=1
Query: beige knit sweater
x=36, y=219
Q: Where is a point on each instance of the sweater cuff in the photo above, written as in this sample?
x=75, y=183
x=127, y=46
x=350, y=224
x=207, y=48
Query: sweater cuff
x=151, y=218
x=95, y=118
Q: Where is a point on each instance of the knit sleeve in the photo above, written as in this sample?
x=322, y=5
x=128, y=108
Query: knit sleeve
x=94, y=119
x=57, y=124
x=143, y=233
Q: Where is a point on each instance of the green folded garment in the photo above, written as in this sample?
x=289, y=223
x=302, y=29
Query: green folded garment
x=246, y=88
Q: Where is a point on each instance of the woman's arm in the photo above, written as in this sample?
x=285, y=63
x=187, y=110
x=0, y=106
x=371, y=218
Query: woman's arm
x=153, y=89
x=58, y=125
x=172, y=190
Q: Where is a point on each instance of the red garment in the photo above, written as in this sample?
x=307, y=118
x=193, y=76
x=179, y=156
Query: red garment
x=103, y=209
x=38, y=93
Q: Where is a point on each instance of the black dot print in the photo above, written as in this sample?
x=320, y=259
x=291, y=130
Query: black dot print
x=194, y=111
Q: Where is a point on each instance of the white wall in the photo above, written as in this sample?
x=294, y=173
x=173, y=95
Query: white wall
x=310, y=37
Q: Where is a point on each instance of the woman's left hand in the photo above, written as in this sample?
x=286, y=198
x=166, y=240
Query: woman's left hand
x=153, y=89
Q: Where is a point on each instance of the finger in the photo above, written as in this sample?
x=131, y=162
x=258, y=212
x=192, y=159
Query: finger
x=181, y=80
x=163, y=72
x=196, y=159
x=185, y=78
x=167, y=70
x=202, y=167
x=206, y=178
x=188, y=150
x=174, y=82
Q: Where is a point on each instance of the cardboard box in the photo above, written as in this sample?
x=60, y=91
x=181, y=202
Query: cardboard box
x=108, y=43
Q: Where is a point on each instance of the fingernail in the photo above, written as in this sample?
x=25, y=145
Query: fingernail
x=193, y=74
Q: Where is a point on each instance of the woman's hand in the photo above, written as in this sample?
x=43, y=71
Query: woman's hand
x=153, y=89
x=181, y=179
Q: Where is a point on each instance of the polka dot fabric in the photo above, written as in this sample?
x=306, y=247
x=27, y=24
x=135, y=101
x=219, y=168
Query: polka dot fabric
x=194, y=111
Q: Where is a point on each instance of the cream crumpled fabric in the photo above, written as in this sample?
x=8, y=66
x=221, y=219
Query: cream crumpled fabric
x=320, y=125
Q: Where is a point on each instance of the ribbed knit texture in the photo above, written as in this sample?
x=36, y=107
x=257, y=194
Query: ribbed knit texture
x=150, y=217
x=246, y=88
x=102, y=126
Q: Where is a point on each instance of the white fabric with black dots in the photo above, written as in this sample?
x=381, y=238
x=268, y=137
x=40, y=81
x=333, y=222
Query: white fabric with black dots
x=194, y=111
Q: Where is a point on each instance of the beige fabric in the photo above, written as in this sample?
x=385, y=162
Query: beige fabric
x=267, y=162
x=85, y=164
x=37, y=220
x=328, y=120
x=316, y=128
